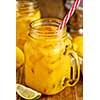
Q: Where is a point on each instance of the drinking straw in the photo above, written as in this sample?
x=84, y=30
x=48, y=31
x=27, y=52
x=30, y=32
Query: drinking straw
x=70, y=13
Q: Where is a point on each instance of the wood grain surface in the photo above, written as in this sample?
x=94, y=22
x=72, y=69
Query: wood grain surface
x=69, y=93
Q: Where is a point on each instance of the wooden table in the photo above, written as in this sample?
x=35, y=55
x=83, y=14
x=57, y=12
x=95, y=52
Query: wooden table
x=69, y=93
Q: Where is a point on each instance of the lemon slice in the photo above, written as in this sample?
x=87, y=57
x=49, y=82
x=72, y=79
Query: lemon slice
x=78, y=45
x=27, y=93
x=19, y=57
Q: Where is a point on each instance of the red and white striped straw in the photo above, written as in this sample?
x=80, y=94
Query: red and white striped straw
x=70, y=13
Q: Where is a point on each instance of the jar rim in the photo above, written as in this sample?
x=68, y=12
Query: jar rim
x=24, y=4
x=34, y=32
x=45, y=21
x=31, y=2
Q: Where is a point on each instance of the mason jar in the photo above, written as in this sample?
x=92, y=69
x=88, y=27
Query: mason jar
x=51, y=64
x=26, y=11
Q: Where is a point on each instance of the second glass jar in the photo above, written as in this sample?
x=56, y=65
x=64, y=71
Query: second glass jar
x=26, y=11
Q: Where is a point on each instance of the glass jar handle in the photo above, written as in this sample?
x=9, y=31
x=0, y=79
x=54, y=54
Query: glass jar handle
x=75, y=68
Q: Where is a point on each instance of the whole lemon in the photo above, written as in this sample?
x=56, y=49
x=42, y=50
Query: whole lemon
x=19, y=57
x=78, y=45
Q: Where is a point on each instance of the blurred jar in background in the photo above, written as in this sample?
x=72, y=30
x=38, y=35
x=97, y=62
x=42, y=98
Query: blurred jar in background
x=75, y=26
x=26, y=12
